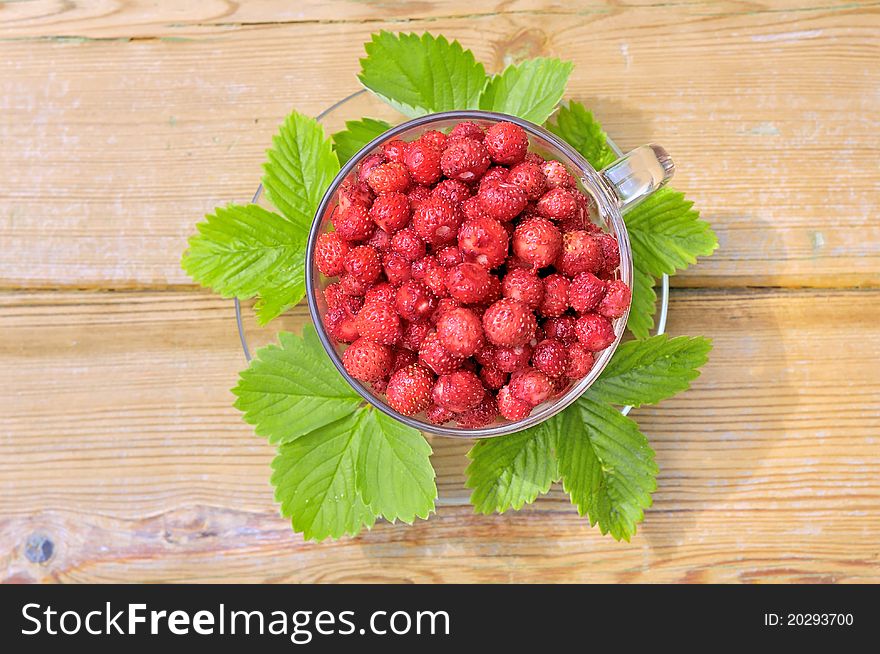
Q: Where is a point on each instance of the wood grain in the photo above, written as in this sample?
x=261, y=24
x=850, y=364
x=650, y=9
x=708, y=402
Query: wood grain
x=123, y=122
x=119, y=445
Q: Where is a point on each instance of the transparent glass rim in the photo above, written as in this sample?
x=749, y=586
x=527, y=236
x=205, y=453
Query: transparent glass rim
x=560, y=403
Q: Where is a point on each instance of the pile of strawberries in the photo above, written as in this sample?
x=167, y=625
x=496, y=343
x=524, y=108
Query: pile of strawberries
x=471, y=280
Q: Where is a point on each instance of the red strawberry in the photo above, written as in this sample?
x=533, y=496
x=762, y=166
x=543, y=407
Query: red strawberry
x=395, y=150
x=480, y=416
x=557, y=175
x=380, y=292
x=580, y=360
x=585, y=292
x=413, y=335
x=435, y=139
x=485, y=356
x=537, y=241
x=616, y=300
x=464, y=159
x=511, y=359
x=397, y=269
x=507, y=143
x=363, y=264
x=353, y=223
x=550, y=357
x=438, y=415
x=472, y=210
x=423, y=162
x=468, y=283
x=534, y=157
x=407, y=244
x=402, y=359
x=391, y=211
x=366, y=360
x=379, y=241
x=467, y=129
x=452, y=190
x=483, y=241
x=509, y=323
x=557, y=204
x=460, y=332
x=492, y=377
x=414, y=301
x=510, y=407
x=330, y=250
x=581, y=252
x=354, y=192
x=501, y=200
x=594, y=331
x=529, y=177
x=409, y=389
x=494, y=174
x=417, y=195
x=379, y=322
x=445, y=304
x=389, y=177
x=379, y=386
x=370, y=162
x=428, y=270
x=340, y=324
x=561, y=329
x=350, y=285
x=436, y=357
x=555, y=296
x=335, y=296
x=610, y=250
x=449, y=256
x=436, y=221
x=531, y=386
x=523, y=285
x=458, y=391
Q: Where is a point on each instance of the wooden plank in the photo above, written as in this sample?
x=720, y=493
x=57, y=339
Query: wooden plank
x=119, y=445
x=116, y=141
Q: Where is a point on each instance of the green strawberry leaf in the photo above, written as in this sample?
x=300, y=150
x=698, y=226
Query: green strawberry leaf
x=644, y=304
x=395, y=476
x=647, y=371
x=315, y=480
x=419, y=75
x=510, y=471
x=530, y=90
x=357, y=134
x=577, y=127
x=292, y=389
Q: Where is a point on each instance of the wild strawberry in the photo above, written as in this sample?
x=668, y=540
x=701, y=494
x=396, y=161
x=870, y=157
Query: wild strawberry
x=350, y=285
x=523, y=285
x=595, y=332
x=531, y=386
x=330, y=250
x=581, y=252
x=395, y=150
x=580, y=361
x=537, y=241
x=557, y=175
x=435, y=139
x=379, y=241
x=537, y=337
x=379, y=386
x=561, y=329
x=402, y=359
x=452, y=190
x=507, y=143
x=510, y=407
x=389, y=177
x=494, y=293
x=529, y=177
x=438, y=415
x=445, y=304
x=492, y=377
x=508, y=323
x=409, y=389
x=449, y=256
x=379, y=322
x=336, y=297
x=616, y=300
x=483, y=241
x=610, y=250
x=494, y=174
x=428, y=270
x=353, y=192
x=423, y=162
x=340, y=324
x=363, y=264
x=550, y=357
x=366, y=167
x=407, y=244
x=458, y=391
x=417, y=195
x=436, y=357
x=511, y=359
x=460, y=332
x=413, y=335
x=397, y=269
x=381, y=292
x=555, y=300
x=502, y=201
x=467, y=129
x=472, y=210
x=366, y=360
x=557, y=204
x=436, y=221
x=414, y=301
x=391, y=211
x=464, y=159
x=468, y=282
x=481, y=415
x=585, y=292
x=353, y=223
x=535, y=158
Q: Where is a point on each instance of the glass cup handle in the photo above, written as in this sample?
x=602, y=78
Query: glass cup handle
x=637, y=174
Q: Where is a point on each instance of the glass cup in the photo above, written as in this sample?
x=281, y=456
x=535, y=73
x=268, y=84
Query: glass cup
x=615, y=189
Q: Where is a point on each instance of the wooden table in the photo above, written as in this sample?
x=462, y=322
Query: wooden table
x=123, y=122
